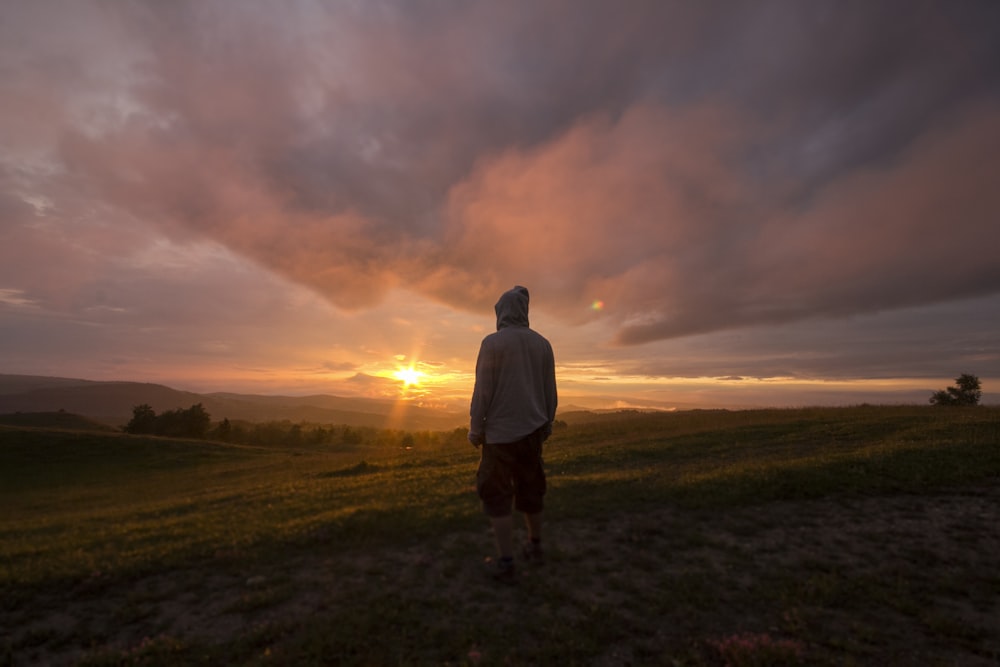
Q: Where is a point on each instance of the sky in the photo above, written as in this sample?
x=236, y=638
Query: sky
x=713, y=204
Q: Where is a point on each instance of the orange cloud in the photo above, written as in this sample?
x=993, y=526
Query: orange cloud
x=616, y=208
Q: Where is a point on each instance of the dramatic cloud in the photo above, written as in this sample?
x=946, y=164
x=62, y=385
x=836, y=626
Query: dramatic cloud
x=697, y=167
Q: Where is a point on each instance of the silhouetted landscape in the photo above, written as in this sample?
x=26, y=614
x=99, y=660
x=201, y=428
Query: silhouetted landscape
x=760, y=238
x=112, y=403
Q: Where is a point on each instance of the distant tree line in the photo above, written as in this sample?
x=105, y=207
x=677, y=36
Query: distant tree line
x=193, y=422
x=967, y=391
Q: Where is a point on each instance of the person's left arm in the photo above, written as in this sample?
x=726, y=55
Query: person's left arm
x=551, y=394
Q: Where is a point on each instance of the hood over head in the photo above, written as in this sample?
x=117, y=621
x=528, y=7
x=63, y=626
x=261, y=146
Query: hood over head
x=512, y=308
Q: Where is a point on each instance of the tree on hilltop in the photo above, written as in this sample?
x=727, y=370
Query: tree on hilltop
x=143, y=420
x=967, y=391
x=190, y=423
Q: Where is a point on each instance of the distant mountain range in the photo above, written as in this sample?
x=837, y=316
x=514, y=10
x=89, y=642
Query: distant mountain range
x=112, y=403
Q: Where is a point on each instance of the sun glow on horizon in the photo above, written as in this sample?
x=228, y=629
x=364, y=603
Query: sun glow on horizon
x=409, y=376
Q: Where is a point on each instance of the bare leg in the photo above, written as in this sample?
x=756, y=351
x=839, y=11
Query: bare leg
x=534, y=523
x=503, y=531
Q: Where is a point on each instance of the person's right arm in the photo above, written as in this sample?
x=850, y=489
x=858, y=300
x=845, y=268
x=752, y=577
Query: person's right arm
x=482, y=395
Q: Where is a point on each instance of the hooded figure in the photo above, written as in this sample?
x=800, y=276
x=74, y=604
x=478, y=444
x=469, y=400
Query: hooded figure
x=515, y=392
x=513, y=406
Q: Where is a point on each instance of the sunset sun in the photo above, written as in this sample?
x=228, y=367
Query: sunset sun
x=409, y=376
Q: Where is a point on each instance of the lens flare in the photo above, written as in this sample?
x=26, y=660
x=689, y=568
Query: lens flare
x=597, y=305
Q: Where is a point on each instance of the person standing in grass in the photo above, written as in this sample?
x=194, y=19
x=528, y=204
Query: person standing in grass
x=513, y=407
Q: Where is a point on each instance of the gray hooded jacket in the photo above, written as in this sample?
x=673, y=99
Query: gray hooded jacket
x=515, y=391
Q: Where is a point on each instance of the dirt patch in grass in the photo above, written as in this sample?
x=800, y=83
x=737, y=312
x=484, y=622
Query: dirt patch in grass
x=887, y=580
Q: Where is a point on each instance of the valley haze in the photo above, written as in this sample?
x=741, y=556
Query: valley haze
x=112, y=403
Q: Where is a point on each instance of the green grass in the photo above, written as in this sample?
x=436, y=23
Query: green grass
x=759, y=535
x=725, y=459
x=82, y=503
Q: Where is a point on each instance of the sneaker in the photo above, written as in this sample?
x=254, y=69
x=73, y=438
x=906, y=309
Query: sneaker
x=533, y=553
x=501, y=570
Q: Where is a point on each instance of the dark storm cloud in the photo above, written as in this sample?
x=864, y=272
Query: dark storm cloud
x=924, y=342
x=698, y=167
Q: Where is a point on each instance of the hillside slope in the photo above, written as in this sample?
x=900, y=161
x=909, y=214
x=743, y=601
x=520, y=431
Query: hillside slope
x=59, y=420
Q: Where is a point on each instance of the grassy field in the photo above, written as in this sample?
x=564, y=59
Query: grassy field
x=863, y=535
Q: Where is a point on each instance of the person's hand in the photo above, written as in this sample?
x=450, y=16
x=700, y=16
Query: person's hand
x=476, y=439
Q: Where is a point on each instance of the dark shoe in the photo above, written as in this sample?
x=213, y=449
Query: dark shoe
x=501, y=570
x=533, y=553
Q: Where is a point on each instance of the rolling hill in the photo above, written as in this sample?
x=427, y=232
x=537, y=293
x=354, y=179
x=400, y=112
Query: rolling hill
x=112, y=403
x=58, y=420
